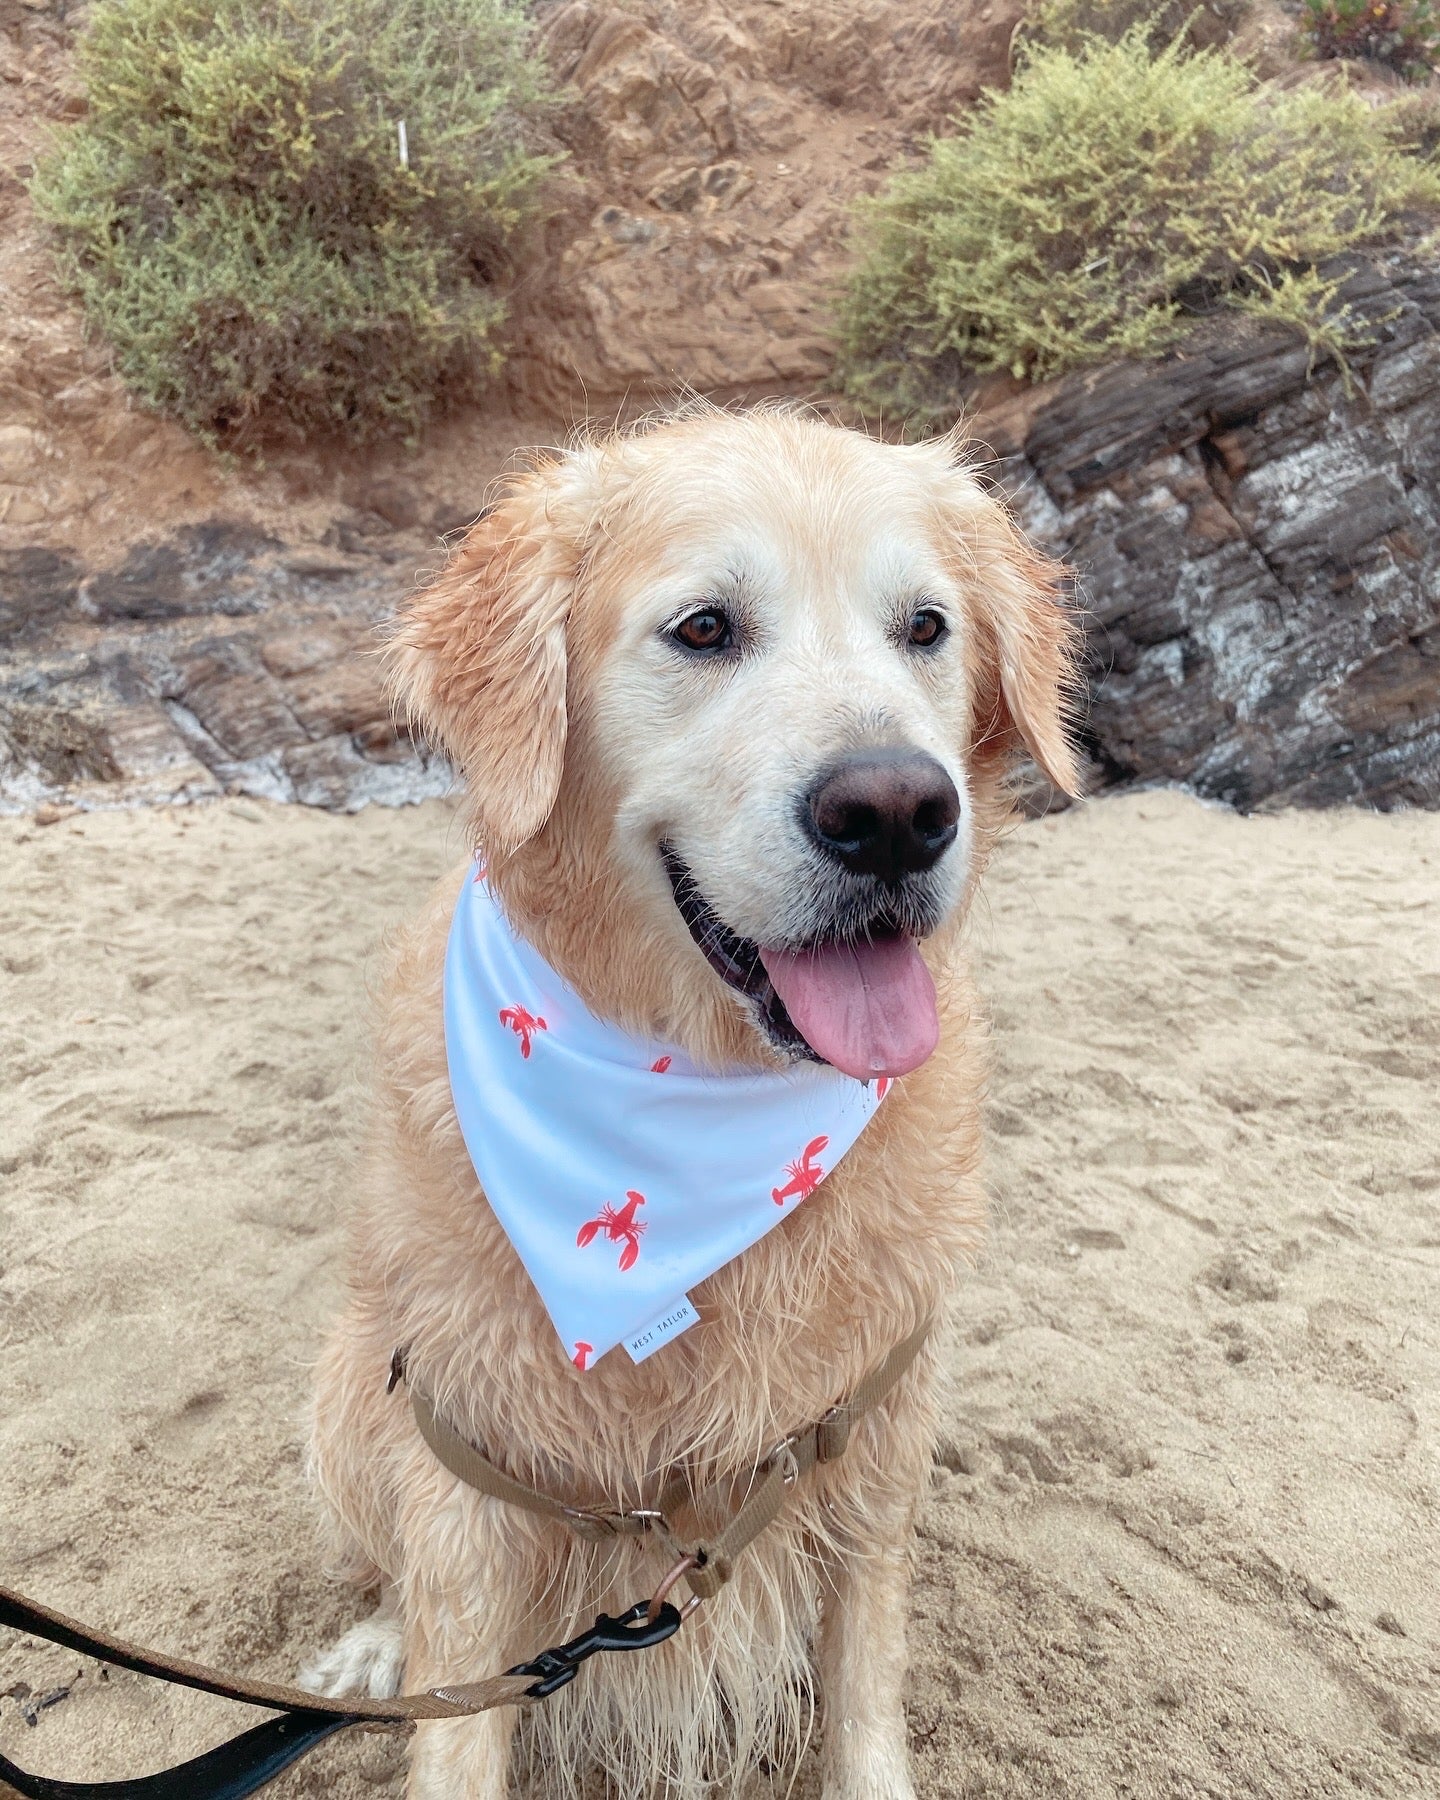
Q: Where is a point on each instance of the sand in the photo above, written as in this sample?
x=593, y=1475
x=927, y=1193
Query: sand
x=1184, y=1533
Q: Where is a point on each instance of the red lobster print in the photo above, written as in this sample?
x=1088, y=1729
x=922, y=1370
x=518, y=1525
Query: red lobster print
x=581, y=1358
x=619, y=1225
x=660, y=1065
x=882, y=1086
x=805, y=1174
x=523, y=1024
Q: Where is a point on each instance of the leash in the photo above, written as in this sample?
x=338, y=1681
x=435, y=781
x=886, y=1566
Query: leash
x=248, y=1762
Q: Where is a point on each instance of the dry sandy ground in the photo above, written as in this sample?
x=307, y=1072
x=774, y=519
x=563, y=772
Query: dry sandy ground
x=1185, y=1528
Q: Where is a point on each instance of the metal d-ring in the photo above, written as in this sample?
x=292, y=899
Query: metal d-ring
x=657, y=1599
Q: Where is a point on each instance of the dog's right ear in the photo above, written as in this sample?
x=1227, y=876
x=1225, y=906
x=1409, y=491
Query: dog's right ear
x=477, y=658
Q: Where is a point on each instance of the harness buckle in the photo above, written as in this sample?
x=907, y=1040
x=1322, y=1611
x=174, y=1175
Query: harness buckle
x=596, y=1524
x=832, y=1434
x=783, y=1453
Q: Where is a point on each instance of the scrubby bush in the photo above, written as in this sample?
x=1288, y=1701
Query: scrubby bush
x=1404, y=35
x=238, y=219
x=1085, y=212
x=1412, y=120
x=1070, y=24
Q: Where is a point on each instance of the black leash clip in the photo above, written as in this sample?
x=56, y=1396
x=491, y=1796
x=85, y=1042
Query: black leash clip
x=633, y=1630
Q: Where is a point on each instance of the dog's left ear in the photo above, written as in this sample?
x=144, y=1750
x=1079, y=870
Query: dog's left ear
x=1028, y=686
x=478, y=659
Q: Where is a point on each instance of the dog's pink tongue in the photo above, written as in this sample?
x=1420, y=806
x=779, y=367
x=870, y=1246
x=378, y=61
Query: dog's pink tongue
x=867, y=1008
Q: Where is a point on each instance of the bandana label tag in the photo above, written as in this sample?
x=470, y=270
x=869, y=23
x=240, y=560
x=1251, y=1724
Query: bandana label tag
x=675, y=1319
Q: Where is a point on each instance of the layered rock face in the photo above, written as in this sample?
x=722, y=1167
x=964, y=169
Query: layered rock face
x=1256, y=553
x=216, y=660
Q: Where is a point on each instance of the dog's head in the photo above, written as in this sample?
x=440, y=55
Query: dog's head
x=734, y=698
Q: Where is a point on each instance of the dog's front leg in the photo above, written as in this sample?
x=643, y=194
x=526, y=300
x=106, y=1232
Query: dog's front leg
x=862, y=1674
x=462, y=1759
x=463, y=1622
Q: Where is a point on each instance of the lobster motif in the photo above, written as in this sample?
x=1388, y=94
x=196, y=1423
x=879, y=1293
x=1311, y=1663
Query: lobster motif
x=524, y=1024
x=882, y=1086
x=660, y=1065
x=581, y=1358
x=805, y=1174
x=619, y=1225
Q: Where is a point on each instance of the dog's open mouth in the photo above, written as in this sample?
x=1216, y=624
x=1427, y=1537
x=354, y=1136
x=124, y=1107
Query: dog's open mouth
x=866, y=1005
x=734, y=959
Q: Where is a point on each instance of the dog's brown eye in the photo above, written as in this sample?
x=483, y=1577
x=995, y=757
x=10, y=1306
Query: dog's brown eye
x=926, y=627
x=708, y=629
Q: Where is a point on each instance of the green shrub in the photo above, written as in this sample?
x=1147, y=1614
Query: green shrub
x=1412, y=120
x=236, y=217
x=1070, y=24
x=1085, y=212
x=1404, y=35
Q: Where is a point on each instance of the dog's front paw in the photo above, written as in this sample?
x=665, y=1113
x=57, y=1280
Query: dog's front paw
x=369, y=1659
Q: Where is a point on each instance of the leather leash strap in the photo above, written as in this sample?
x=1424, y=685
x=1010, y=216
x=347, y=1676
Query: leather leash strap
x=20, y=1614
x=237, y=1768
x=710, y=1565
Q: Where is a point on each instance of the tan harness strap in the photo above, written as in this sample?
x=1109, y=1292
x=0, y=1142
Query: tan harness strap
x=711, y=1565
x=476, y=1470
x=824, y=1441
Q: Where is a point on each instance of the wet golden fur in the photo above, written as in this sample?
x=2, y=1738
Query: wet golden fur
x=515, y=658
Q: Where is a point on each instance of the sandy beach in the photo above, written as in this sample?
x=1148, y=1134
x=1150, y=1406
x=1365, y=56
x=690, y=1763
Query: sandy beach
x=1184, y=1531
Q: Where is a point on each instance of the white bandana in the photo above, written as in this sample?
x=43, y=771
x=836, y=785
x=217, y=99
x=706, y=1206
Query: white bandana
x=622, y=1173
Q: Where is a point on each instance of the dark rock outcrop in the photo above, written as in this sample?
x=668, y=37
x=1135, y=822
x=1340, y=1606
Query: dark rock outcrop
x=37, y=587
x=1256, y=551
x=213, y=661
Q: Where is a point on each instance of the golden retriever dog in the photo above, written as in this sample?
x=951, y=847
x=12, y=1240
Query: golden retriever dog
x=796, y=664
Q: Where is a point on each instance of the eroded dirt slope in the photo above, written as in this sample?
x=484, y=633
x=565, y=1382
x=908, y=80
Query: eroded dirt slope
x=713, y=152
x=716, y=152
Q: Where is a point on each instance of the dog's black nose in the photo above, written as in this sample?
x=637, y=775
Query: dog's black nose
x=886, y=813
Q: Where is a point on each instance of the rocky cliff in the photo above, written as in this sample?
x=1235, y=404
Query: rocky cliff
x=1256, y=553
x=215, y=660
